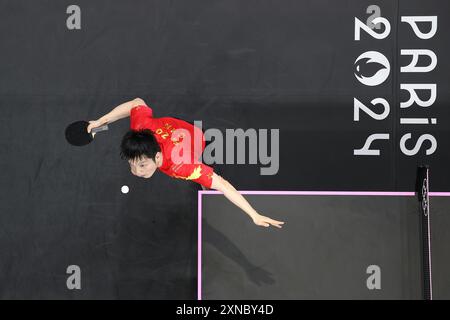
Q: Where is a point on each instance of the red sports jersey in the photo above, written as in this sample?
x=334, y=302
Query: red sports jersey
x=141, y=117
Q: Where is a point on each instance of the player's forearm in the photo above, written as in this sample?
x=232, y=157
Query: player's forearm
x=121, y=111
x=233, y=195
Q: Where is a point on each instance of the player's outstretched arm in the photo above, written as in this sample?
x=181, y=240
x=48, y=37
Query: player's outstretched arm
x=220, y=184
x=121, y=111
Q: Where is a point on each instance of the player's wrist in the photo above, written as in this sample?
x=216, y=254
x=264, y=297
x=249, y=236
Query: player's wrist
x=254, y=215
x=103, y=120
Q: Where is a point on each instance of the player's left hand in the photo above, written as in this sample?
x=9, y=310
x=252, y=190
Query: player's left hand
x=263, y=221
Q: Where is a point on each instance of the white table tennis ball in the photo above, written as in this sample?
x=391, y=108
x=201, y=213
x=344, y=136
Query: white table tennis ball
x=125, y=189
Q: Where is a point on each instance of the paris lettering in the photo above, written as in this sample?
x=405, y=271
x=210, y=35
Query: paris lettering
x=372, y=68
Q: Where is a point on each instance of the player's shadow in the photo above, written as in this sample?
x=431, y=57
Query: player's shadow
x=255, y=274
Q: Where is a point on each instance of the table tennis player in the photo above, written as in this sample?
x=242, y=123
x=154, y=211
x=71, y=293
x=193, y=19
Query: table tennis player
x=172, y=146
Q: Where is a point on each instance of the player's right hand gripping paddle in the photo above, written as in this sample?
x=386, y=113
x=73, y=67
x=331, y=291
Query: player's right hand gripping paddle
x=77, y=135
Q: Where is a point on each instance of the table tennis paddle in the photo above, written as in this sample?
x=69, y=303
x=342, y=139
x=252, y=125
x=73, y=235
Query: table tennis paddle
x=77, y=135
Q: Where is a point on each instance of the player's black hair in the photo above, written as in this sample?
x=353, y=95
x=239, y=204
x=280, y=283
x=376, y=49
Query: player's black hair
x=136, y=144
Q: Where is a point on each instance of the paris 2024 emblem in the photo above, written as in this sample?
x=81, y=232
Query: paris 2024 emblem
x=372, y=68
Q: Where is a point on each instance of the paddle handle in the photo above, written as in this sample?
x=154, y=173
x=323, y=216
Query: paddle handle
x=102, y=128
